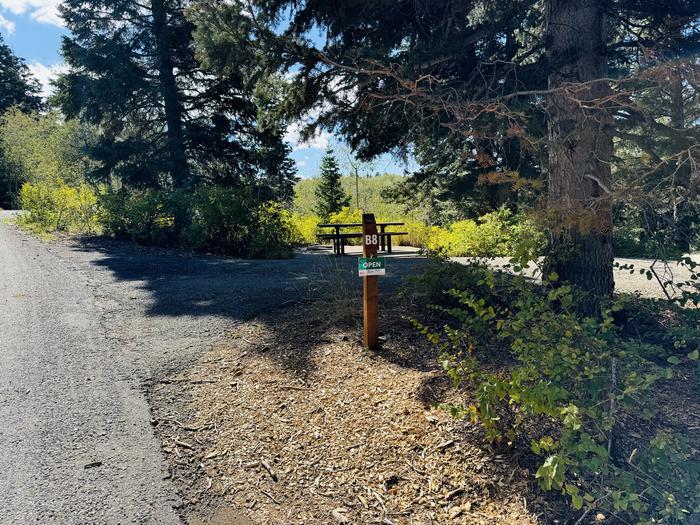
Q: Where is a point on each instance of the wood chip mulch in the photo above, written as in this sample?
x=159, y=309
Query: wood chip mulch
x=293, y=422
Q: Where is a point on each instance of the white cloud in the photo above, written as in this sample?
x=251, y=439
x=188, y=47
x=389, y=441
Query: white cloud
x=293, y=136
x=7, y=25
x=45, y=74
x=45, y=11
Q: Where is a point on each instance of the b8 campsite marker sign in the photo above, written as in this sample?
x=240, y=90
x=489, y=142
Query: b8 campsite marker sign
x=370, y=266
x=373, y=266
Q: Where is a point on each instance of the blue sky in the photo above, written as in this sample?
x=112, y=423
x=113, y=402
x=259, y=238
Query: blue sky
x=33, y=29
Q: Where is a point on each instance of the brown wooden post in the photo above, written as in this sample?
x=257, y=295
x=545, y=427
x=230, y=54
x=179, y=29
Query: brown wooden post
x=370, y=247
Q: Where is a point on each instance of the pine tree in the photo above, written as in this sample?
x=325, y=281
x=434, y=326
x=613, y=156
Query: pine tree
x=17, y=86
x=330, y=197
x=278, y=173
x=165, y=120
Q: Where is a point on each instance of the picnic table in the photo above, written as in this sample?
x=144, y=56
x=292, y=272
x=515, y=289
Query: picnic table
x=340, y=238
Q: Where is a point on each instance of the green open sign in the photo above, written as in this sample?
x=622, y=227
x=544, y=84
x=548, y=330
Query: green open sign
x=373, y=266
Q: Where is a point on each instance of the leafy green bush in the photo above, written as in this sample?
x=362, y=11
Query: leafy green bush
x=575, y=390
x=273, y=234
x=42, y=149
x=143, y=216
x=209, y=219
x=43, y=156
x=56, y=206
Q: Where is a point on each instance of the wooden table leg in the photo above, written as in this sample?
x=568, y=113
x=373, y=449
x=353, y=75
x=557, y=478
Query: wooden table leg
x=382, y=240
x=388, y=243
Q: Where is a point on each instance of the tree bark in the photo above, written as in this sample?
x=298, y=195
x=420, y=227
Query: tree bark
x=682, y=221
x=580, y=151
x=179, y=170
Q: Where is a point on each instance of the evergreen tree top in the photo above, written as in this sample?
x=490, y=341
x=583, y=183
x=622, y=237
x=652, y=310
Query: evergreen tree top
x=17, y=85
x=330, y=196
x=329, y=164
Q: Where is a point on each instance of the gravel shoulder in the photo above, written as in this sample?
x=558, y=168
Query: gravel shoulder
x=75, y=440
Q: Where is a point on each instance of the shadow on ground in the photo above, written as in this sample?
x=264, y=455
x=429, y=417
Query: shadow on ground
x=182, y=284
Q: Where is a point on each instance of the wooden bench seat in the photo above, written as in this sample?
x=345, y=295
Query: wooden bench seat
x=340, y=239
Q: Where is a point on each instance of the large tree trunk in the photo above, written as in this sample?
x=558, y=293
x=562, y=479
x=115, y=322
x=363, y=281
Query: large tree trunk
x=580, y=151
x=179, y=169
x=682, y=220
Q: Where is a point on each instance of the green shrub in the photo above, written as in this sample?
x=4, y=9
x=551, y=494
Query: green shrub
x=209, y=219
x=142, y=216
x=55, y=206
x=632, y=241
x=273, y=234
x=218, y=219
x=575, y=390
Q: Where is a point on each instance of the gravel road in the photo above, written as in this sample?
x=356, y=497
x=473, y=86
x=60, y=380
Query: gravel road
x=85, y=328
x=625, y=282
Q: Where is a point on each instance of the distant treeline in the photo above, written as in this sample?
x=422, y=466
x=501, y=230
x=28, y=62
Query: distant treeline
x=366, y=193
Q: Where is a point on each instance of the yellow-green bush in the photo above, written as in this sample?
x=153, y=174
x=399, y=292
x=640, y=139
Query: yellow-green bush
x=56, y=206
x=496, y=234
x=418, y=233
x=272, y=232
x=349, y=216
x=306, y=227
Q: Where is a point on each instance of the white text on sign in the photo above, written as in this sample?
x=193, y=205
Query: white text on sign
x=371, y=266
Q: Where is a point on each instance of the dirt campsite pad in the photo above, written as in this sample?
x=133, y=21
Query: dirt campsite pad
x=298, y=424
